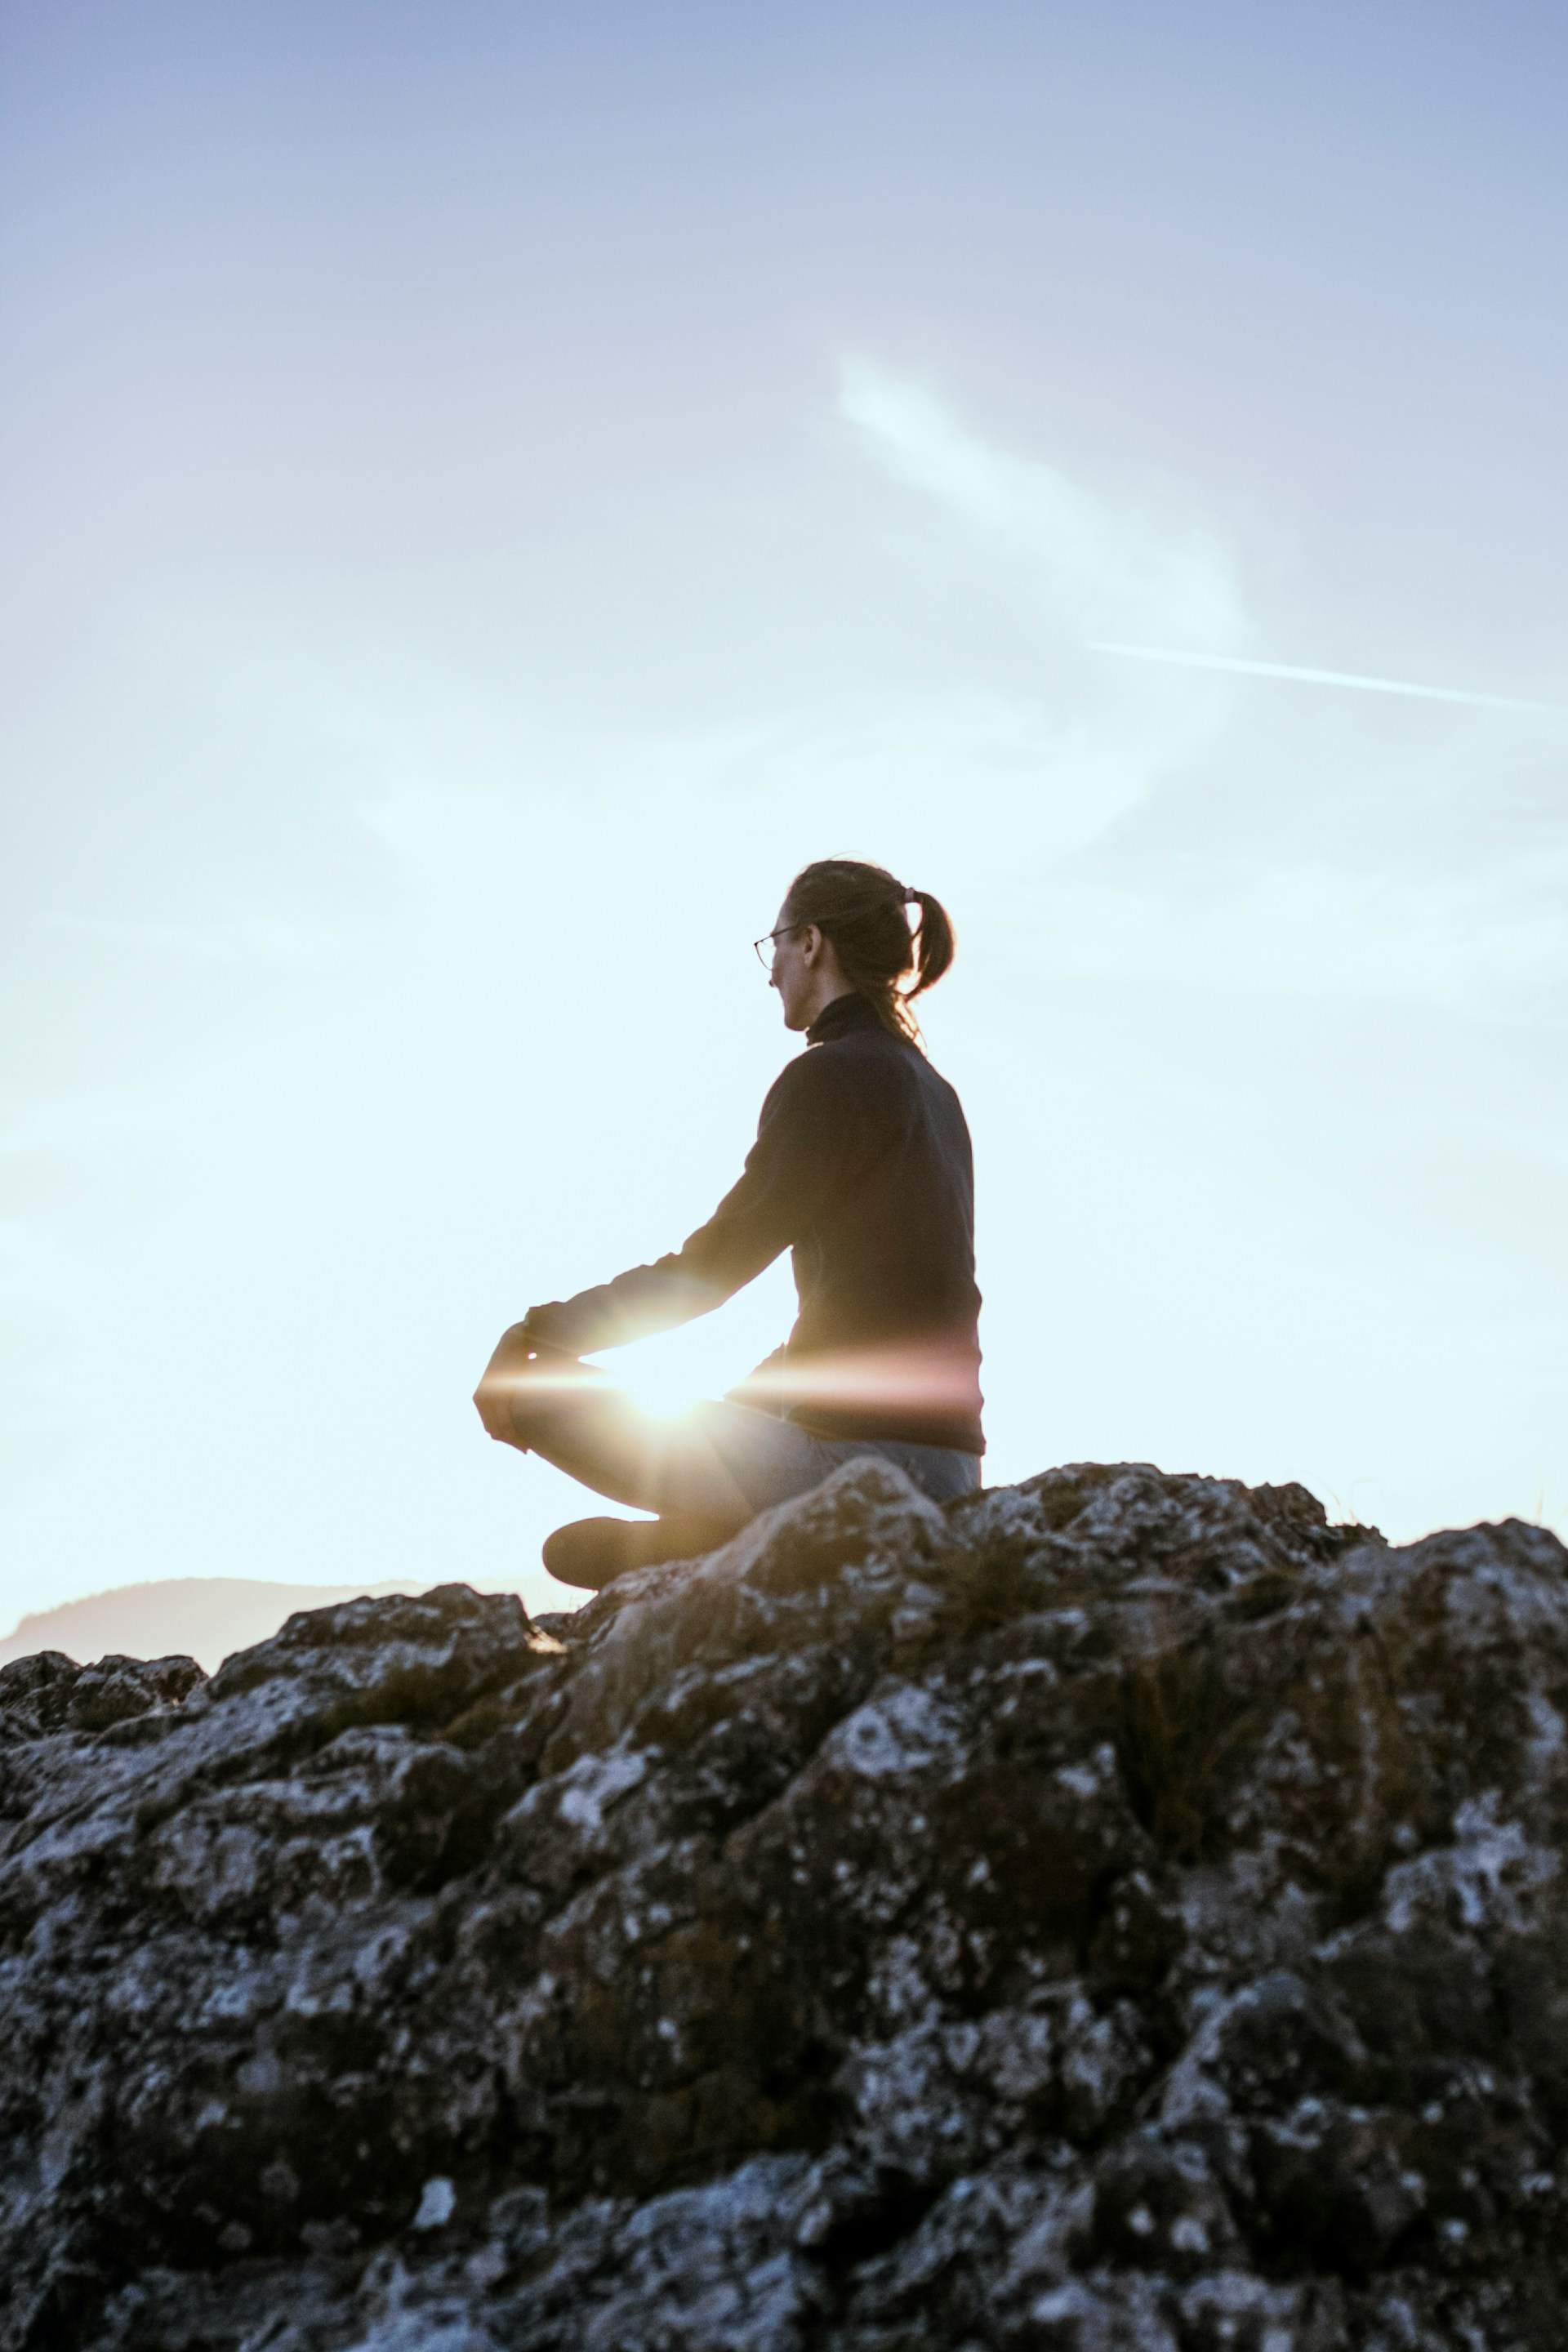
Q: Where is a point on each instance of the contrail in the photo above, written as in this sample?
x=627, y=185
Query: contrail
x=1328, y=678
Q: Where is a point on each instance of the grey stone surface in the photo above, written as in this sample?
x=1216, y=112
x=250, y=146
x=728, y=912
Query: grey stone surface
x=1115, y=1911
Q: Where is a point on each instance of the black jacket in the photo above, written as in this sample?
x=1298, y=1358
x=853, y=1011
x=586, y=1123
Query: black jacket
x=862, y=1167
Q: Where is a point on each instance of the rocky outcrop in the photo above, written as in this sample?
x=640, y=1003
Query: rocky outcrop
x=1119, y=1913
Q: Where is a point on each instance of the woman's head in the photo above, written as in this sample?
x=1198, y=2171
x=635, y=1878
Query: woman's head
x=846, y=926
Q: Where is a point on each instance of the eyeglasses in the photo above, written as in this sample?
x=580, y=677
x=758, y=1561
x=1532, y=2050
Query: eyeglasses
x=766, y=941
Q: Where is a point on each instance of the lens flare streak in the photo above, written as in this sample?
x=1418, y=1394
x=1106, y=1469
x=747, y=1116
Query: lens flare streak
x=894, y=1378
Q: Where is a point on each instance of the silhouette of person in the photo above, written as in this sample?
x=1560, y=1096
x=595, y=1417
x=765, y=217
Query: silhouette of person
x=863, y=1168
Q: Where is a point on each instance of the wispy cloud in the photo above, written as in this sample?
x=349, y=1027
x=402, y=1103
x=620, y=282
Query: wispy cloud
x=1094, y=563
x=1328, y=677
x=1062, y=744
x=1211, y=846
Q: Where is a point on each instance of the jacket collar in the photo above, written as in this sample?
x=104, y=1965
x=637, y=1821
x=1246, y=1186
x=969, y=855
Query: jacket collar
x=851, y=1012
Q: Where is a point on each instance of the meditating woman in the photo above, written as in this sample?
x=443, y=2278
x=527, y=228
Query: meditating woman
x=862, y=1167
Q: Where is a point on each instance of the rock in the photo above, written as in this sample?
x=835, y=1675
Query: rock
x=1120, y=1913
x=49, y=1692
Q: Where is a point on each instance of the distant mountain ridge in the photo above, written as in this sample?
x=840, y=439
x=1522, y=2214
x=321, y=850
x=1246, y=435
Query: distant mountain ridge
x=203, y=1617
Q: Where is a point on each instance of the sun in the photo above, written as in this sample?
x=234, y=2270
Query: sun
x=658, y=1394
x=665, y=1375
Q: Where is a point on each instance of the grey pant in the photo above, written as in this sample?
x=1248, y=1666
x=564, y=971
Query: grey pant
x=718, y=1461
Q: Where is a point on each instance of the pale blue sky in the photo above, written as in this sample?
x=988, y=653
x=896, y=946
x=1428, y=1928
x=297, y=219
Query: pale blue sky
x=494, y=490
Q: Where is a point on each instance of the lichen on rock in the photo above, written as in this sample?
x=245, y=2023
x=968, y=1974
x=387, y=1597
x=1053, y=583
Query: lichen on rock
x=1119, y=1910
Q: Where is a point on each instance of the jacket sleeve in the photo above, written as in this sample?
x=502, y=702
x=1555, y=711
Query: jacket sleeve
x=802, y=1137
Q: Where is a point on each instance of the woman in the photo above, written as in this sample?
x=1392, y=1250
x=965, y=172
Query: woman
x=862, y=1167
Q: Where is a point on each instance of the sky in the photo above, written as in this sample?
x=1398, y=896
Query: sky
x=494, y=490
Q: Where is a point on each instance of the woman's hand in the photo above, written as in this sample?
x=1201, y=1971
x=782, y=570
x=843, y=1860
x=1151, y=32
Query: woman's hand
x=509, y=1363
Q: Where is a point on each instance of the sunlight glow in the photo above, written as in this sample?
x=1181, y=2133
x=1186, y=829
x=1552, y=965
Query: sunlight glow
x=666, y=1381
x=656, y=1393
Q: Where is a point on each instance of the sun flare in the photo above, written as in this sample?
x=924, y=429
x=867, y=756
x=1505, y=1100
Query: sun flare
x=665, y=1375
x=658, y=1395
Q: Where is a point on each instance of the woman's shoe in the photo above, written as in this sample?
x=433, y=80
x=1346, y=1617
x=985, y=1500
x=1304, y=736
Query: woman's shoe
x=590, y=1553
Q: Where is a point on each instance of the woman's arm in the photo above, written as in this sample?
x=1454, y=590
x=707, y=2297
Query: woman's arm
x=806, y=1137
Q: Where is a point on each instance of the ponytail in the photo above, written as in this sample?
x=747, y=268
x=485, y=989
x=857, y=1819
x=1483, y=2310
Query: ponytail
x=860, y=908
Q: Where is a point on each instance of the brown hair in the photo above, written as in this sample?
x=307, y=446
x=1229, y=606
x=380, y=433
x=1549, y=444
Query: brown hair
x=860, y=908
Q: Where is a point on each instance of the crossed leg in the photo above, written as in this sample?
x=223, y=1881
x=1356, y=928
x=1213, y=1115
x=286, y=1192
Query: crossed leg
x=572, y=1414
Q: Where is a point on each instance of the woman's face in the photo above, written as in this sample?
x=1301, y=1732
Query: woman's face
x=791, y=974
